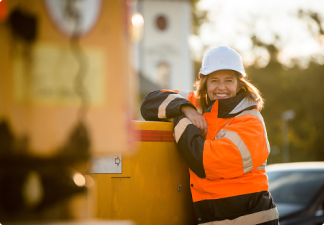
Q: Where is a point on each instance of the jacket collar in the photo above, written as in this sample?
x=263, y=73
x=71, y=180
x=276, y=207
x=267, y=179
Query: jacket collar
x=230, y=107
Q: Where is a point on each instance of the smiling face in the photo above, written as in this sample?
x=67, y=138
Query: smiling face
x=222, y=84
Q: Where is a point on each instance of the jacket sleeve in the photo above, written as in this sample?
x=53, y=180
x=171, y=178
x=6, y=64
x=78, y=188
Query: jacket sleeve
x=163, y=104
x=190, y=143
x=239, y=149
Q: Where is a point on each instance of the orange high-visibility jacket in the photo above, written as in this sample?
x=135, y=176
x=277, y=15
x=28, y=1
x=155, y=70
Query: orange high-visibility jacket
x=227, y=167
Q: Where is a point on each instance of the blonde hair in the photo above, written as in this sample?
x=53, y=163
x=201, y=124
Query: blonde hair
x=243, y=83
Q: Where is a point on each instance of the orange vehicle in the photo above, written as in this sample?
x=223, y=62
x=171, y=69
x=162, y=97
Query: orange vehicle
x=62, y=63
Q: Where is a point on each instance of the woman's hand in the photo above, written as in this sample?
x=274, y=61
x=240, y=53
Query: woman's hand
x=195, y=117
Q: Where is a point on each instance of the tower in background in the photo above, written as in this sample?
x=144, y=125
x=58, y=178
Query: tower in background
x=163, y=55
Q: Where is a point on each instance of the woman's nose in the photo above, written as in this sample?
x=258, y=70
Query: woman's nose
x=221, y=86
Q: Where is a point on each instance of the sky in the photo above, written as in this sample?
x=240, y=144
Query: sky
x=232, y=22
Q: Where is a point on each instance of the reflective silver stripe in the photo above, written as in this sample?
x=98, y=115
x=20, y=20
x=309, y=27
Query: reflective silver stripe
x=180, y=128
x=237, y=141
x=245, y=103
x=250, y=219
x=220, y=134
x=258, y=115
x=184, y=94
x=165, y=103
x=263, y=166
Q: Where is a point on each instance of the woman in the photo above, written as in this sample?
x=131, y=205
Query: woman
x=226, y=148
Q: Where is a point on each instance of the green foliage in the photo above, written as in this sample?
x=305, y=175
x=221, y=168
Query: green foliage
x=294, y=88
x=302, y=91
x=198, y=16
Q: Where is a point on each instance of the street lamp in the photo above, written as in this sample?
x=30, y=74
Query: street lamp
x=286, y=115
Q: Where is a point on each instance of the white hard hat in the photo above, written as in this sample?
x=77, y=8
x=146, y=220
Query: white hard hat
x=221, y=58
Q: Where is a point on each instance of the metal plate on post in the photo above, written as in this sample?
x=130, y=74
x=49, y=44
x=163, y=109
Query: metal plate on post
x=107, y=164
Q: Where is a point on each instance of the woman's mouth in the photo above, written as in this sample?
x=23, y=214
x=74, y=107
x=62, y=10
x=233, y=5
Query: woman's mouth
x=221, y=96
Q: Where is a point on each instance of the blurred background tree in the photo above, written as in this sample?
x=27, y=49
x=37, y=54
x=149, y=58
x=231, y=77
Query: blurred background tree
x=286, y=64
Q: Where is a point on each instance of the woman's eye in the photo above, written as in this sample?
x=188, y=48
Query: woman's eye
x=229, y=81
x=214, y=81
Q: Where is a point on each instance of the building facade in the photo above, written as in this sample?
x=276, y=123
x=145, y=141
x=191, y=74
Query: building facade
x=163, y=55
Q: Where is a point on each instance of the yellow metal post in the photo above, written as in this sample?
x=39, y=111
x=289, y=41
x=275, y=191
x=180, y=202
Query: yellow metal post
x=153, y=187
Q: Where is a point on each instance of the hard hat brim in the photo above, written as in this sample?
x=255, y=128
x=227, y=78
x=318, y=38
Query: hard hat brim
x=207, y=72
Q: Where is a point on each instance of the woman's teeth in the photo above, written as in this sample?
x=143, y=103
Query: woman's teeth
x=221, y=95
